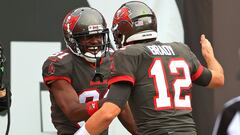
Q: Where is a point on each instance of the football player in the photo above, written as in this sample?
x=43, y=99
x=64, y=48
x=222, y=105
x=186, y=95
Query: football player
x=154, y=77
x=71, y=74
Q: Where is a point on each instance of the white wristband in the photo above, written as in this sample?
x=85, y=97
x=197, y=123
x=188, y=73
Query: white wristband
x=82, y=131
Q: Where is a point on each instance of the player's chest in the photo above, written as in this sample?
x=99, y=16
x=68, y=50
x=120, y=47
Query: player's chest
x=82, y=80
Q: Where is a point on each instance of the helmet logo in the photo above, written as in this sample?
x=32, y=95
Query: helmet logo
x=70, y=23
x=122, y=15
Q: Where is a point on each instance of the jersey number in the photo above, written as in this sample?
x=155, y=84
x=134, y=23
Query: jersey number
x=60, y=55
x=93, y=95
x=163, y=98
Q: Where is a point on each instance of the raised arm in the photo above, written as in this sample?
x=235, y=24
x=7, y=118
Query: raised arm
x=212, y=63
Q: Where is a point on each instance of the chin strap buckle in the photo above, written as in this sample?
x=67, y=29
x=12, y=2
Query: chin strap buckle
x=98, y=75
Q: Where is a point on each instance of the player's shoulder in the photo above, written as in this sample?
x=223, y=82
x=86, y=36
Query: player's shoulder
x=61, y=57
x=180, y=47
x=178, y=44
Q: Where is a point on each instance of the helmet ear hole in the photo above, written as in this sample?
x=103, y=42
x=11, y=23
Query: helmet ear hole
x=119, y=36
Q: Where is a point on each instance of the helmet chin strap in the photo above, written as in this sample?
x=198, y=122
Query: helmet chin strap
x=91, y=57
x=98, y=76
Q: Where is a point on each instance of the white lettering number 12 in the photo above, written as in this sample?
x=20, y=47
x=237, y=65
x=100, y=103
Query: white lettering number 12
x=164, y=99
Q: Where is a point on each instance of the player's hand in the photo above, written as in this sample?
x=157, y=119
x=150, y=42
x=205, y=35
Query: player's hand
x=207, y=50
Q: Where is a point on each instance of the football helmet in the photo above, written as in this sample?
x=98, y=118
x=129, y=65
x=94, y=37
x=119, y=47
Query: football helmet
x=79, y=25
x=134, y=21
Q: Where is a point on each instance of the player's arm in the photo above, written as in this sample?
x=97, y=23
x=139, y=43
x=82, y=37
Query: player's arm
x=67, y=100
x=116, y=100
x=127, y=120
x=213, y=65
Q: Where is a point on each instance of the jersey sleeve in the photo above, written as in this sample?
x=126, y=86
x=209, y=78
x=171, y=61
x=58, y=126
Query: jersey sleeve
x=200, y=75
x=119, y=94
x=123, y=67
x=56, y=69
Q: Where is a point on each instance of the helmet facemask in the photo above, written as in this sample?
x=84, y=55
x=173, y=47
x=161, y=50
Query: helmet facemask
x=91, y=46
x=83, y=24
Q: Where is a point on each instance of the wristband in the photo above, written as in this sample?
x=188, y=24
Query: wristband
x=92, y=107
x=82, y=131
